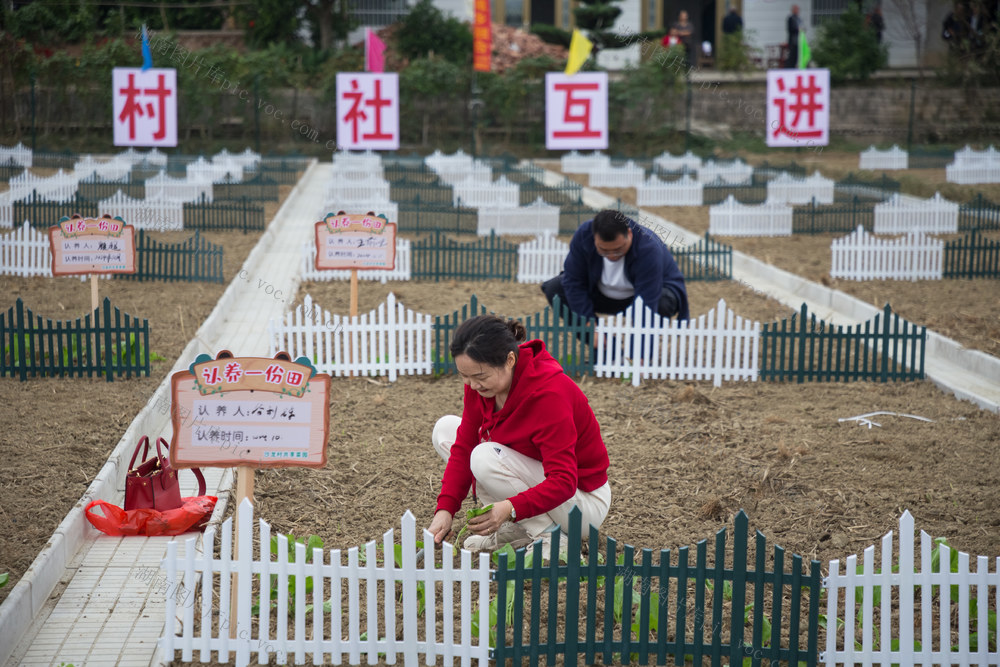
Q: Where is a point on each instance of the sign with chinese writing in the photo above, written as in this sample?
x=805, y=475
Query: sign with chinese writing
x=145, y=106
x=249, y=411
x=92, y=245
x=482, y=37
x=355, y=242
x=368, y=111
x=576, y=111
x=798, y=107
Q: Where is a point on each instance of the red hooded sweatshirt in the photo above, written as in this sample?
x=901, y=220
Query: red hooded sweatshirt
x=546, y=417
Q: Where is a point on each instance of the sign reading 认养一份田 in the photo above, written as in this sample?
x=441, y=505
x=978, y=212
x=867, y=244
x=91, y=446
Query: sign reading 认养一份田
x=92, y=246
x=355, y=241
x=249, y=411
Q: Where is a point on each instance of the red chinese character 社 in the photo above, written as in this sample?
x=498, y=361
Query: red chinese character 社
x=570, y=116
x=211, y=375
x=805, y=101
x=354, y=115
x=132, y=107
x=274, y=374
x=233, y=371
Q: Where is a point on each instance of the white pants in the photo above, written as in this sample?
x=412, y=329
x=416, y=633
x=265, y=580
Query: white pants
x=502, y=473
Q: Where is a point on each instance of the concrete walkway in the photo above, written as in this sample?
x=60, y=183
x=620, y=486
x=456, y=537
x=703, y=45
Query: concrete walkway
x=89, y=599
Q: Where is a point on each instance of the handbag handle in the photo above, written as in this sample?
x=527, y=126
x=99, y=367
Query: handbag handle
x=143, y=441
x=196, y=471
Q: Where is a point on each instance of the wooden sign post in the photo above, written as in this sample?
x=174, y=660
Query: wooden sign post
x=353, y=241
x=92, y=246
x=249, y=412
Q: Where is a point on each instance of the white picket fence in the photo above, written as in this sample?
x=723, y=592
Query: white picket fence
x=248, y=159
x=474, y=193
x=718, y=345
x=972, y=166
x=891, y=158
x=20, y=154
x=25, y=252
x=538, y=218
x=479, y=171
x=540, y=259
x=685, y=191
x=365, y=593
x=388, y=340
x=610, y=176
x=6, y=210
x=403, y=269
x=787, y=189
x=372, y=188
x=910, y=598
x=366, y=161
x=583, y=163
x=214, y=171
x=451, y=168
x=117, y=168
x=863, y=256
x=736, y=171
x=902, y=215
x=180, y=189
x=389, y=209
x=357, y=172
x=731, y=218
x=668, y=162
x=153, y=214
x=58, y=187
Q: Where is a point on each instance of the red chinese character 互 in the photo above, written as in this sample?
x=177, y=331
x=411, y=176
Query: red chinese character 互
x=805, y=101
x=582, y=116
x=233, y=371
x=211, y=375
x=294, y=378
x=274, y=374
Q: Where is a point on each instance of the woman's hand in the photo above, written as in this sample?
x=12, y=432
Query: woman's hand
x=489, y=523
x=441, y=526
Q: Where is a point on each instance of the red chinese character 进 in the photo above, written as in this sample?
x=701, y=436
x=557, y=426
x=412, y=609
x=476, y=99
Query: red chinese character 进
x=805, y=101
x=274, y=374
x=571, y=116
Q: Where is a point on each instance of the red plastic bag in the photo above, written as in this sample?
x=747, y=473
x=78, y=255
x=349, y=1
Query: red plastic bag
x=193, y=514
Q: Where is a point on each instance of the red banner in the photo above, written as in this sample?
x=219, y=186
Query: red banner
x=482, y=39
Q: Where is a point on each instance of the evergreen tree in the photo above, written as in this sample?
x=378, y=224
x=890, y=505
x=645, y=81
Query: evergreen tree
x=596, y=17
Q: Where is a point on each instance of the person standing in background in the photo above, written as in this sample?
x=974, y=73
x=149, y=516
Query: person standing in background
x=794, y=25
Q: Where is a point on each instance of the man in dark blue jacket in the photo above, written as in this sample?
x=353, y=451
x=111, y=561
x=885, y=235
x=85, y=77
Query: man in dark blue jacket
x=612, y=259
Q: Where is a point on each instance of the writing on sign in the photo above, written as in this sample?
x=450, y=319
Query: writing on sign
x=92, y=245
x=355, y=241
x=249, y=411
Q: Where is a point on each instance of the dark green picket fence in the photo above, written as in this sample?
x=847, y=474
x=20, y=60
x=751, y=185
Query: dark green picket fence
x=281, y=171
x=767, y=171
x=618, y=609
x=803, y=348
x=705, y=260
x=426, y=191
x=243, y=214
x=980, y=213
x=42, y=213
x=420, y=216
x=193, y=260
x=257, y=188
x=96, y=188
x=929, y=158
x=842, y=218
x=871, y=189
x=971, y=256
x=564, y=193
x=718, y=191
x=566, y=338
x=44, y=159
x=106, y=342
x=10, y=169
x=440, y=258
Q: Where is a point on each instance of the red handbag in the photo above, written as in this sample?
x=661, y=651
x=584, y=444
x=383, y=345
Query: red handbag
x=153, y=484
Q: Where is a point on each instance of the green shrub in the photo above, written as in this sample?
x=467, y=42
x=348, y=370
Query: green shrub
x=427, y=30
x=735, y=53
x=551, y=34
x=849, y=48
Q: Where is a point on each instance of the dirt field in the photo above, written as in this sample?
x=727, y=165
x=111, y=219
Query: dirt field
x=685, y=457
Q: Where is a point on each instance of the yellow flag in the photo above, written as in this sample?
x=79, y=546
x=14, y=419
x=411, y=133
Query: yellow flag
x=579, y=51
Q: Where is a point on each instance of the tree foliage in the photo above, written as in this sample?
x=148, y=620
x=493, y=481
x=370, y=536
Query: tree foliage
x=849, y=48
x=427, y=30
x=597, y=18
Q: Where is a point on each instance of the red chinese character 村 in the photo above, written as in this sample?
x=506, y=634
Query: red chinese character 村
x=133, y=108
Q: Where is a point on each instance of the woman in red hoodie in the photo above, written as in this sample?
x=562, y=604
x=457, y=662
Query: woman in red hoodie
x=527, y=438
